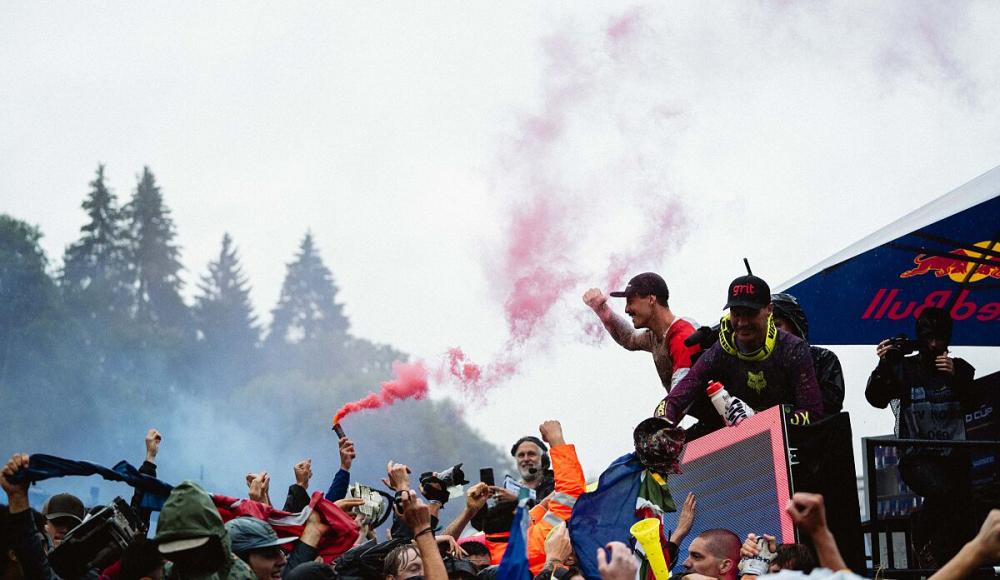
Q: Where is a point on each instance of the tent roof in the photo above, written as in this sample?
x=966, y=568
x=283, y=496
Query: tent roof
x=971, y=194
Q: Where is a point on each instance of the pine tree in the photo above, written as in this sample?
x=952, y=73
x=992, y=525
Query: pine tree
x=225, y=318
x=94, y=277
x=308, y=323
x=27, y=294
x=155, y=262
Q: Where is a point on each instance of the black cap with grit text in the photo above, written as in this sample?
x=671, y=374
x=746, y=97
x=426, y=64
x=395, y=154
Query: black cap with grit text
x=749, y=292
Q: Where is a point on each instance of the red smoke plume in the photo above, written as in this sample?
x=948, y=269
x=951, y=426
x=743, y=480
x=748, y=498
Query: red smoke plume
x=560, y=183
x=540, y=264
x=410, y=382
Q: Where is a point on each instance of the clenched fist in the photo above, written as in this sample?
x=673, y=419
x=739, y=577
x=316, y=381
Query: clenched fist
x=551, y=432
x=595, y=298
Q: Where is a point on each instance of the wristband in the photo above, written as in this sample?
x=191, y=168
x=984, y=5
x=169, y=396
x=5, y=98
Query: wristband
x=427, y=530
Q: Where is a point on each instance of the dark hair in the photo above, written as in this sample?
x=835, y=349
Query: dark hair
x=934, y=323
x=311, y=571
x=662, y=301
x=795, y=557
x=475, y=549
x=394, y=559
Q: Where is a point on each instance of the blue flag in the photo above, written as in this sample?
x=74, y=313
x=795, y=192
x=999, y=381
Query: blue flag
x=514, y=565
x=42, y=467
x=606, y=514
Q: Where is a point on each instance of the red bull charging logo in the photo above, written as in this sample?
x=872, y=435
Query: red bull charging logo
x=959, y=266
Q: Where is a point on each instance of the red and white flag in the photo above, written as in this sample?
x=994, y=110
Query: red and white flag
x=341, y=537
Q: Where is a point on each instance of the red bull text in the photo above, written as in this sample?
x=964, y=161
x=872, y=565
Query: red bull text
x=887, y=303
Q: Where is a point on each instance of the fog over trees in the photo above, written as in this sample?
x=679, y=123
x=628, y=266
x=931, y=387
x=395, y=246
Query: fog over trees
x=102, y=346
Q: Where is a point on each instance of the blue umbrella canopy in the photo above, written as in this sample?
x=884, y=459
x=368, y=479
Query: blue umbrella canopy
x=945, y=254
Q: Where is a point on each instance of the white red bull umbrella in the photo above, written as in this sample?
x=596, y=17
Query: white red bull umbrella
x=945, y=254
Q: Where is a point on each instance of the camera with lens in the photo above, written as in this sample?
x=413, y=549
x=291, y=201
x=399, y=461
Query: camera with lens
x=98, y=541
x=375, y=509
x=435, y=484
x=457, y=568
x=899, y=347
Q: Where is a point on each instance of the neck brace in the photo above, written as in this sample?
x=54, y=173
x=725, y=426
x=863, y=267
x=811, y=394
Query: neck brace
x=728, y=343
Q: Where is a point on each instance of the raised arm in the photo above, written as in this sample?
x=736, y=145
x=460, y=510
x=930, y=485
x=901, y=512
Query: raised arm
x=809, y=514
x=620, y=329
x=338, y=487
x=417, y=516
x=24, y=538
x=475, y=499
x=883, y=384
x=148, y=467
x=298, y=493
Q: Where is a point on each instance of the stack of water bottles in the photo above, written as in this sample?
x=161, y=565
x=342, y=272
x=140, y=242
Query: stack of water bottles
x=895, y=499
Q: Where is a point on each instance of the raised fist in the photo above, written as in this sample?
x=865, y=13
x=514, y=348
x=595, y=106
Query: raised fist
x=551, y=432
x=397, y=476
x=595, y=298
x=303, y=473
x=153, y=439
x=347, y=453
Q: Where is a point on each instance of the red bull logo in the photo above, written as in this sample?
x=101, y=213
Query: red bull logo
x=960, y=266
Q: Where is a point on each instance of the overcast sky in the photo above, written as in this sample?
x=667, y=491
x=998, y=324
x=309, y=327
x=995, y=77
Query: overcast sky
x=409, y=137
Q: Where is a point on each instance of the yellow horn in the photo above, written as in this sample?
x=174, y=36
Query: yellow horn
x=647, y=532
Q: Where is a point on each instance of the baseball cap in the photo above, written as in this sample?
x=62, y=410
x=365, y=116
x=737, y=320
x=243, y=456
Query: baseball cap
x=645, y=284
x=64, y=505
x=248, y=533
x=181, y=545
x=749, y=292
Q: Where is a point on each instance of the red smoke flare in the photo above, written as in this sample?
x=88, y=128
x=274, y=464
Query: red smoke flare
x=410, y=382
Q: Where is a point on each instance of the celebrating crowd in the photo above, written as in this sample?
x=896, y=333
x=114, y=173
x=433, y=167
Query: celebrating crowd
x=536, y=524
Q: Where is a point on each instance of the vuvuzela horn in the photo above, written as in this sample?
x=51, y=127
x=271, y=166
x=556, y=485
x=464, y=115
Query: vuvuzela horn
x=647, y=532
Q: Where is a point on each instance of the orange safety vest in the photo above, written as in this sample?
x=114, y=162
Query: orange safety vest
x=569, y=485
x=497, y=544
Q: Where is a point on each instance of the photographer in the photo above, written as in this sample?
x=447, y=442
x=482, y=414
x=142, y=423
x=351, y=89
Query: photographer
x=533, y=465
x=929, y=393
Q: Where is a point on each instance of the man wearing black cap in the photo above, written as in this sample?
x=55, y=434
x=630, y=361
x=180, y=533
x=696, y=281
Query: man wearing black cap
x=656, y=329
x=257, y=544
x=756, y=362
x=63, y=512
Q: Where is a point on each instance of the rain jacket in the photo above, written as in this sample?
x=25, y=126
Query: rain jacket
x=785, y=377
x=190, y=513
x=569, y=485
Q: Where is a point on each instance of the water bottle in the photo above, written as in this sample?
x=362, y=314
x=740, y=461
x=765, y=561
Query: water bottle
x=732, y=409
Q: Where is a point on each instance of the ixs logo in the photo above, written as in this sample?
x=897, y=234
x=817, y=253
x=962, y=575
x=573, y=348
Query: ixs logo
x=886, y=304
x=958, y=264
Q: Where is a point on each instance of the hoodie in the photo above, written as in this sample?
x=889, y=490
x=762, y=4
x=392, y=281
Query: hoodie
x=190, y=513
